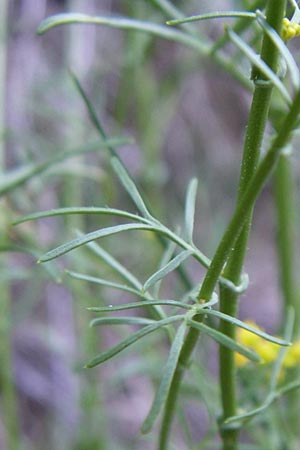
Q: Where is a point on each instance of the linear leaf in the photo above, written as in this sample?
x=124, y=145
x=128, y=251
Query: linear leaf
x=131, y=339
x=172, y=265
x=166, y=380
x=126, y=274
x=190, y=204
x=143, y=304
x=226, y=341
x=80, y=210
x=213, y=15
x=19, y=176
x=130, y=186
x=241, y=324
x=103, y=282
x=78, y=242
x=114, y=264
x=127, y=24
x=166, y=256
x=256, y=60
x=284, y=51
x=121, y=321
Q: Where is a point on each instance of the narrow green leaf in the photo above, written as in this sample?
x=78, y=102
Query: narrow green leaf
x=80, y=210
x=172, y=265
x=213, y=15
x=130, y=186
x=283, y=50
x=190, y=204
x=19, y=176
x=166, y=380
x=272, y=397
x=126, y=24
x=143, y=304
x=166, y=257
x=103, y=282
x=226, y=341
x=131, y=339
x=121, y=321
x=256, y=60
x=246, y=326
x=78, y=242
x=114, y=264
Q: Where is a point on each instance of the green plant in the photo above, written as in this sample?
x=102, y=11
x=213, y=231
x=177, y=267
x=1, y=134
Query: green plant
x=198, y=305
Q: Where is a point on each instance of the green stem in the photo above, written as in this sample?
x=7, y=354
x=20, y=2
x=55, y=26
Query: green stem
x=228, y=299
x=228, y=240
x=285, y=208
x=239, y=224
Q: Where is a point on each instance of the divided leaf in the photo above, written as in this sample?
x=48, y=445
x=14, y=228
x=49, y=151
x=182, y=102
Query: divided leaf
x=131, y=339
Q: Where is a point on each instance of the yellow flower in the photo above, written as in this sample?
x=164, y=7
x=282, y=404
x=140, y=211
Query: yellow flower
x=265, y=349
x=290, y=29
x=292, y=356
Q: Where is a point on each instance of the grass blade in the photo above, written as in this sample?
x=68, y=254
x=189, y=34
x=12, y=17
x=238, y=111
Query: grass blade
x=172, y=265
x=190, y=210
x=82, y=240
x=131, y=339
x=166, y=380
x=226, y=341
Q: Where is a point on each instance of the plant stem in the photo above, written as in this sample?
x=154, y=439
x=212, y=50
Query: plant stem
x=228, y=299
x=285, y=207
x=237, y=232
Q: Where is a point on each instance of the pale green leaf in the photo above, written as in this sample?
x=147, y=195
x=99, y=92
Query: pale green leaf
x=126, y=24
x=246, y=326
x=114, y=264
x=80, y=210
x=213, y=15
x=143, y=304
x=131, y=339
x=121, y=321
x=168, y=268
x=16, y=177
x=166, y=380
x=190, y=204
x=226, y=341
x=130, y=186
x=82, y=240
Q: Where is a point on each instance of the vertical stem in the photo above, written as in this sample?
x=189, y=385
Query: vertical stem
x=285, y=208
x=237, y=235
x=229, y=300
x=9, y=405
